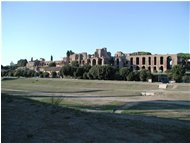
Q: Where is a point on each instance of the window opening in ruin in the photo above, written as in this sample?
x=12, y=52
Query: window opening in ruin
x=161, y=68
x=99, y=61
x=155, y=69
x=149, y=60
x=169, y=63
x=137, y=68
x=93, y=62
x=154, y=60
x=161, y=60
x=131, y=60
x=137, y=60
x=143, y=60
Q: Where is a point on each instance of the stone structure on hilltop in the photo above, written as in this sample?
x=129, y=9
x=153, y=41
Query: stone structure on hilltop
x=152, y=63
x=100, y=57
x=135, y=61
x=120, y=60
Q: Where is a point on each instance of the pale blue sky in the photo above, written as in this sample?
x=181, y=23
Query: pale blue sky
x=42, y=29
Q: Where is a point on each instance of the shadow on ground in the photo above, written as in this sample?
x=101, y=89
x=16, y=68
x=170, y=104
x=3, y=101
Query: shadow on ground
x=25, y=120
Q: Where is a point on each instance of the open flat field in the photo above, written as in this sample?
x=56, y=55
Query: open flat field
x=86, y=111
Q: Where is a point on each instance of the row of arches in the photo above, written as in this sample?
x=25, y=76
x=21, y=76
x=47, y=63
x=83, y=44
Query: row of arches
x=168, y=61
x=96, y=62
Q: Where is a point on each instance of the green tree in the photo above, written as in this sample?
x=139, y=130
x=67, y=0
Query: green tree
x=19, y=72
x=87, y=68
x=41, y=74
x=85, y=75
x=185, y=57
x=94, y=72
x=46, y=74
x=124, y=72
x=75, y=63
x=79, y=72
x=30, y=73
x=67, y=70
x=109, y=72
x=177, y=72
x=22, y=63
x=69, y=52
x=36, y=74
x=149, y=75
x=131, y=76
x=4, y=73
x=143, y=75
x=52, y=64
x=51, y=58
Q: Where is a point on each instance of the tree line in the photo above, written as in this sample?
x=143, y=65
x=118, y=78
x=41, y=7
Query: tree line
x=108, y=72
x=98, y=72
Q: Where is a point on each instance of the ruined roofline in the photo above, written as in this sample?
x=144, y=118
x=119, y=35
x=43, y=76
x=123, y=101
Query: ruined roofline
x=128, y=54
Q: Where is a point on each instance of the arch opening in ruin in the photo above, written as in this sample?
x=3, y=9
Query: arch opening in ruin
x=94, y=62
x=149, y=68
x=137, y=68
x=137, y=60
x=131, y=60
x=169, y=63
x=161, y=60
x=161, y=69
x=117, y=63
x=154, y=60
x=88, y=61
x=149, y=60
x=155, y=70
x=143, y=67
x=99, y=61
x=143, y=60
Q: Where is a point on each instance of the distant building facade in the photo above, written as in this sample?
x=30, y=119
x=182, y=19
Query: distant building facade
x=153, y=63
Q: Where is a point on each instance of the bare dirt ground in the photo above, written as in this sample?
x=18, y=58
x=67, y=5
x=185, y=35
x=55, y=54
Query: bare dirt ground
x=25, y=120
x=93, y=112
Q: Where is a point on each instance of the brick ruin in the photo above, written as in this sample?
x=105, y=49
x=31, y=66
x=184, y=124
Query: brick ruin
x=136, y=61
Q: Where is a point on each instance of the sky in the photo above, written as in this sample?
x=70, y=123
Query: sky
x=42, y=29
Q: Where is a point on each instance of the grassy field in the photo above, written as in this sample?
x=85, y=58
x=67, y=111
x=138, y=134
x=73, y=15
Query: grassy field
x=115, y=107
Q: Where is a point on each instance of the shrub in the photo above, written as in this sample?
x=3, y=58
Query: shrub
x=124, y=72
x=131, y=76
x=85, y=75
x=143, y=75
x=46, y=74
x=52, y=64
x=53, y=74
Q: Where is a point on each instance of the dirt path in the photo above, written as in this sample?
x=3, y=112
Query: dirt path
x=87, y=96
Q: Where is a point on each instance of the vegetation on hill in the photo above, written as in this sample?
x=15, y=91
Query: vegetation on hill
x=184, y=55
x=140, y=53
x=69, y=52
x=52, y=64
x=22, y=63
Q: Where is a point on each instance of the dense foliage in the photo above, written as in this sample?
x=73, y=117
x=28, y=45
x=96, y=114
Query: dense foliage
x=52, y=64
x=22, y=63
x=98, y=72
x=140, y=53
